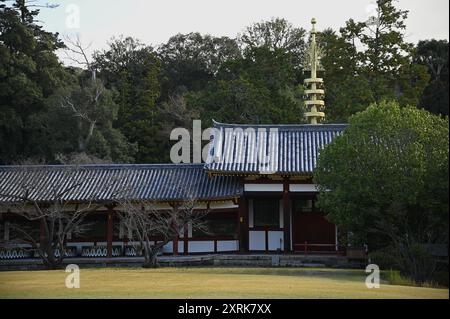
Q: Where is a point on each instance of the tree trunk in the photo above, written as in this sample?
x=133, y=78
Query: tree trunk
x=81, y=145
x=150, y=258
x=150, y=261
x=48, y=257
x=151, y=254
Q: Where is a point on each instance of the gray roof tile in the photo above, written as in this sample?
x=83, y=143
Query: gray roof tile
x=156, y=182
x=290, y=149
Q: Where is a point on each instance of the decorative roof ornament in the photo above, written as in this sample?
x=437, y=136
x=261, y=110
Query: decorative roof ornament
x=314, y=85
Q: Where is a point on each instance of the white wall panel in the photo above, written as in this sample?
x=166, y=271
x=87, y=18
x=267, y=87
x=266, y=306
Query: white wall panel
x=263, y=187
x=180, y=247
x=227, y=204
x=302, y=188
x=201, y=246
x=168, y=248
x=276, y=240
x=257, y=240
x=227, y=245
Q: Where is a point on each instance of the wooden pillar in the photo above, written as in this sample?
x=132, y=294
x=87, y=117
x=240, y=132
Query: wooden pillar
x=175, y=245
x=176, y=229
x=266, y=238
x=42, y=233
x=186, y=240
x=286, y=216
x=243, y=224
x=6, y=234
x=109, y=232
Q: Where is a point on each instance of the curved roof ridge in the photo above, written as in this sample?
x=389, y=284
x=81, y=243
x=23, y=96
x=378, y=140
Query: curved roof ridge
x=285, y=126
x=104, y=166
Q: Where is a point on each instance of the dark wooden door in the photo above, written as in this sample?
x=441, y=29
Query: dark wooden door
x=314, y=229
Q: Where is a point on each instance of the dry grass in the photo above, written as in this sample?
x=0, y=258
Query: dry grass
x=205, y=283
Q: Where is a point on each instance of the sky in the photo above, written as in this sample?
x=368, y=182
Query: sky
x=154, y=22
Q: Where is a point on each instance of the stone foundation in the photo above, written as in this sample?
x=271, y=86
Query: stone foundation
x=219, y=260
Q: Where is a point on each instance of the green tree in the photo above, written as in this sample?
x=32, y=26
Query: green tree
x=347, y=89
x=385, y=179
x=261, y=87
x=263, y=84
x=385, y=58
x=30, y=73
x=234, y=101
x=132, y=70
x=88, y=110
x=434, y=55
x=190, y=61
x=276, y=34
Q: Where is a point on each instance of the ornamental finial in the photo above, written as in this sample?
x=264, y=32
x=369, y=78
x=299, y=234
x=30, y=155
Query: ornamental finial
x=314, y=91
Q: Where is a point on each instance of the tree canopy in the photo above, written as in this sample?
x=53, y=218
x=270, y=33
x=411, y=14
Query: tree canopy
x=433, y=54
x=29, y=73
x=50, y=112
x=385, y=180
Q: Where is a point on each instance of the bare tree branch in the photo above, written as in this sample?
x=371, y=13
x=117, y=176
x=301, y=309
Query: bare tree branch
x=153, y=227
x=56, y=220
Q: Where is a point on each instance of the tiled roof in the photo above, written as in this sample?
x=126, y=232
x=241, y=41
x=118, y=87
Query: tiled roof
x=155, y=182
x=288, y=149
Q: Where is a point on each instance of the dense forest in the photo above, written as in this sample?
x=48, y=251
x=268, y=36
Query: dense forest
x=121, y=104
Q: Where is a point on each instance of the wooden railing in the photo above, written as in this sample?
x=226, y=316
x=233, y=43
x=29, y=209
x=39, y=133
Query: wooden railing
x=307, y=248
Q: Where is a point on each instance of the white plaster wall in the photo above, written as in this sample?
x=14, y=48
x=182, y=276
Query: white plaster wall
x=227, y=245
x=227, y=204
x=276, y=240
x=201, y=246
x=168, y=248
x=257, y=240
x=302, y=188
x=180, y=247
x=263, y=187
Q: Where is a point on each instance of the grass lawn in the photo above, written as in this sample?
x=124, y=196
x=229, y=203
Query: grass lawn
x=205, y=283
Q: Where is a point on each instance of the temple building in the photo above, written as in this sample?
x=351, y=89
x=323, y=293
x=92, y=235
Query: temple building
x=256, y=186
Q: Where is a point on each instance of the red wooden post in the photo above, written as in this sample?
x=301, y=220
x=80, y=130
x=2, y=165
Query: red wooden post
x=186, y=240
x=109, y=233
x=286, y=216
x=215, y=246
x=243, y=222
x=175, y=245
x=267, y=239
x=42, y=233
x=306, y=248
x=238, y=227
x=175, y=238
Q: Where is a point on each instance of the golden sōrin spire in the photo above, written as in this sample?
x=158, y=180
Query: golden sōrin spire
x=314, y=85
